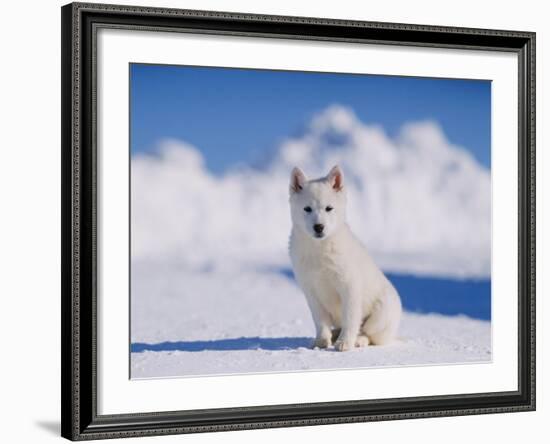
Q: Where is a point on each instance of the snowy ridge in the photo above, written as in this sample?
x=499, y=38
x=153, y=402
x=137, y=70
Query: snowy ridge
x=421, y=204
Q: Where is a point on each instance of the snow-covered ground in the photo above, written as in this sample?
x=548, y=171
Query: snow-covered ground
x=238, y=321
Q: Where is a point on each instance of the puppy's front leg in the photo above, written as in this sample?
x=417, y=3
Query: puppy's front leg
x=351, y=320
x=322, y=321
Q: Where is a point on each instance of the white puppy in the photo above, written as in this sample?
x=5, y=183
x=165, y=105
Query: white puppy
x=351, y=301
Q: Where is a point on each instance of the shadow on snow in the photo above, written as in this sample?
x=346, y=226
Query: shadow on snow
x=255, y=343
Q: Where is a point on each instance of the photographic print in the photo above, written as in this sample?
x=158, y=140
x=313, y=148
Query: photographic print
x=298, y=221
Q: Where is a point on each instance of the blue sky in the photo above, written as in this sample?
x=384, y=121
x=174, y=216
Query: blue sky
x=235, y=115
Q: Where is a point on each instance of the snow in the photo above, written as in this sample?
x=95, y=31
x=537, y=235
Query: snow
x=222, y=322
x=208, y=291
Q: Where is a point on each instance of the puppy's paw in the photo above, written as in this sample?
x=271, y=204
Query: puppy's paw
x=322, y=342
x=362, y=341
x=343, y=345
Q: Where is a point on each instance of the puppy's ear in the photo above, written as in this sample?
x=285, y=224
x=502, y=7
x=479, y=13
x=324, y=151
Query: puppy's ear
x=336, y=178
x=297, y=180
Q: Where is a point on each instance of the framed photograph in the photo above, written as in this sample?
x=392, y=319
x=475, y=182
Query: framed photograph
x=277, y=221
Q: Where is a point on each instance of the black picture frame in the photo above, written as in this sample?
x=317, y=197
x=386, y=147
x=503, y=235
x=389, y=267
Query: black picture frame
x=79, y=211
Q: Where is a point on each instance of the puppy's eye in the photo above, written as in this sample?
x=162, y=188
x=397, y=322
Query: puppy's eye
x=307, y=209
x=329, y=208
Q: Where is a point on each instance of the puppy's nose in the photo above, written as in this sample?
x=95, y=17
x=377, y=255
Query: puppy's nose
x=318, y=228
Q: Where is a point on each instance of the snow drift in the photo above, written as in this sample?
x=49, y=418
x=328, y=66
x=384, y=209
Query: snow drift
x=421, y=204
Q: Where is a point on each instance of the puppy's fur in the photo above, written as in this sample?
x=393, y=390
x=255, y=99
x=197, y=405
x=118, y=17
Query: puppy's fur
x=351, y=301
